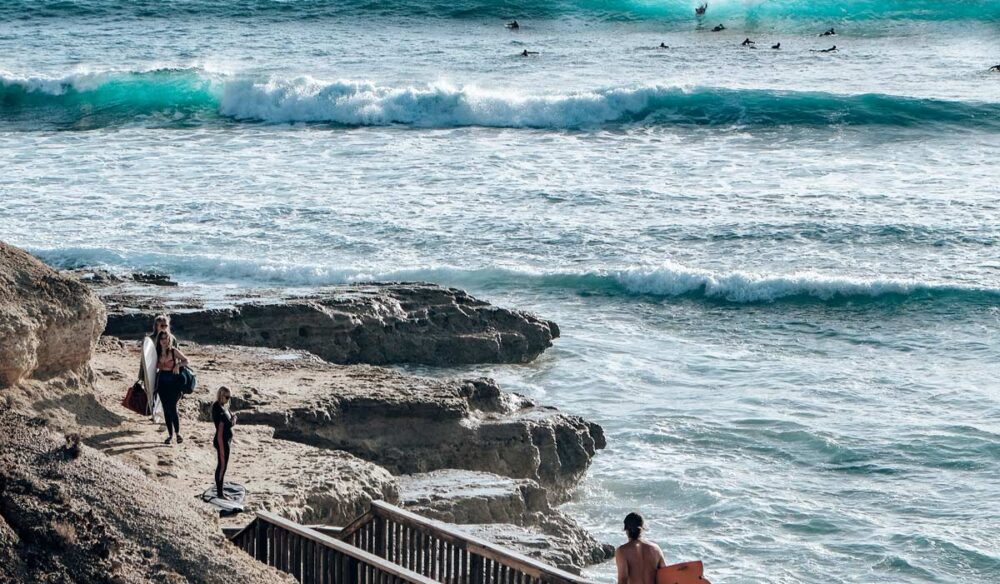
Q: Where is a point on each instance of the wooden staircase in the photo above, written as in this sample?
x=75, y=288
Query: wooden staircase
x=389, y=545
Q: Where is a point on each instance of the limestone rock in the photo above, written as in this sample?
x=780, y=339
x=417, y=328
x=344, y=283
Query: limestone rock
x=378, y=324
x=506, y=511
x=49, y=323
x=303, y=483
x=84, y=517
x=411, y=424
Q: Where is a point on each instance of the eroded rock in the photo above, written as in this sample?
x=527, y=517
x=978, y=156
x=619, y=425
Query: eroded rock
x=49, y=323
x=514, y=512
x=87, y=518
x=377, y=324
x=412, y=424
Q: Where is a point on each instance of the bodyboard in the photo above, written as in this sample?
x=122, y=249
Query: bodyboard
x=235, y=496
x=149, y=372
x=685, y=573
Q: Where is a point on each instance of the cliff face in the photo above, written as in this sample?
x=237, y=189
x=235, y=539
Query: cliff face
x=377, y=324
x=69, y=513
x=49, y=323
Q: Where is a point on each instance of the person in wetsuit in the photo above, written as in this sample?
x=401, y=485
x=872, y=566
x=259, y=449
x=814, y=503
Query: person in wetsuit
x=513, y=25
x=700, y=10
x=223, y=421
x=830, y=32
x=719, y=27
x=776, y=46
x=995, y=68
x=663, y=46
x=527, y=53
x=169, y=382
x=638, y=560
x=747, y=42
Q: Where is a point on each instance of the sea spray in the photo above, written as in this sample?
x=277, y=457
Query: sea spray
x=193, y=96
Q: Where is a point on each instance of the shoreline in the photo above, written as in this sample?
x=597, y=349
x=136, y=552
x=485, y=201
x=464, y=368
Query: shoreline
x=318, y=441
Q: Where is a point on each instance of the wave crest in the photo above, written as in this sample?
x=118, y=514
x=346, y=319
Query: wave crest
x=192, y=96
x=668, y=280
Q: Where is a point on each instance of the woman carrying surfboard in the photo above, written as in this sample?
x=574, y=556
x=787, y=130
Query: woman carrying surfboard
x=169, y=381
x=223, y=420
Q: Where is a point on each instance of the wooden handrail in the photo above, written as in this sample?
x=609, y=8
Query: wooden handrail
x=405, y=547
x=344, y=548
x=474, y=545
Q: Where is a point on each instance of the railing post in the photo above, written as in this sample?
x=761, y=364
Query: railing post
x=476, y=569
x=352, y=571
x=379, y=536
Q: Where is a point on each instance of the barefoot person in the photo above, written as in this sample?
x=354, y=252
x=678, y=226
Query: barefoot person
x=169, y=381
x=223, y=420
x=638, y=560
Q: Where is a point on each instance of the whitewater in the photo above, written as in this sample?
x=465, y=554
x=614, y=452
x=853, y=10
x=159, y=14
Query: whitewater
x=775, y=271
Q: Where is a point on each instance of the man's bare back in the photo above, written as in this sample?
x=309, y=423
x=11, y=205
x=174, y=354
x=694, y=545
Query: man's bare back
x=638, y=561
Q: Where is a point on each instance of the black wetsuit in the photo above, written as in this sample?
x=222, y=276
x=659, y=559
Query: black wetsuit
x=221, y=442
x=169, y=386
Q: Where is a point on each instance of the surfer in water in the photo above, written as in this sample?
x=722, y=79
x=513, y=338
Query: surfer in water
x=829, y=32
x=663, y=46
x=527, y=53
x=700, y=10
x=747, y=42
x=719, y=28
x=513, y=25
x=169, y=382
x=638, y=560
x=995, y=68
x=223, y=420
x=832, y=49
x=776, y=46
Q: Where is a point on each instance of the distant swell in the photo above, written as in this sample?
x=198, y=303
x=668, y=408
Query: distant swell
x=180, y=97
x=665, y=10
x=669, y=280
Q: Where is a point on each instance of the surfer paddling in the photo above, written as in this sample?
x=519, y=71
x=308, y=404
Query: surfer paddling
x=663, y=46
x=832, y=49
x=223, y=420
x=828, y=32
x=513, y=25
x=747, y=42
x=719, y=28
x=527, y=53
x=776, y=46
x=637, y=560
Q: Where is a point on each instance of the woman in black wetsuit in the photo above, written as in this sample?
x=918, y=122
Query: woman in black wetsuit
x=223, y=421
x=169, y=381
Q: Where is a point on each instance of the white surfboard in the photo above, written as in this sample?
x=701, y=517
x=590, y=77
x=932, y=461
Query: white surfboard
x=149, y=372
x=235, y=496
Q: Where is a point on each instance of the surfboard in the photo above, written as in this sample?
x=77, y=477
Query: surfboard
x=149, y=372
x=684, y=573
x=235, y=496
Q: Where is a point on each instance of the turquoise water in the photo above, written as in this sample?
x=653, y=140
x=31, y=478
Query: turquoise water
x=775, y=271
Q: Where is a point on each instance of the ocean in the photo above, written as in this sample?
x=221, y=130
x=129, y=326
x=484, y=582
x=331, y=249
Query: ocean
x=775, y=270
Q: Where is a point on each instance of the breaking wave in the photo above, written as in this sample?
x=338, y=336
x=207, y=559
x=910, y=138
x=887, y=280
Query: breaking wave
x=182, y=97
x=666, y=10
x=668, y=280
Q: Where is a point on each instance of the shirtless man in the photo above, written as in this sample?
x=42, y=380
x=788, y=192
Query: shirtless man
x=638, y=559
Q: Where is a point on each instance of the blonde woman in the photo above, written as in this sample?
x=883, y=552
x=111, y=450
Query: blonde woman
x=223, y=420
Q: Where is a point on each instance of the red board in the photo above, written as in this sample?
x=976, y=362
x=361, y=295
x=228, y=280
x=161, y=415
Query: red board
x=686, y=573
